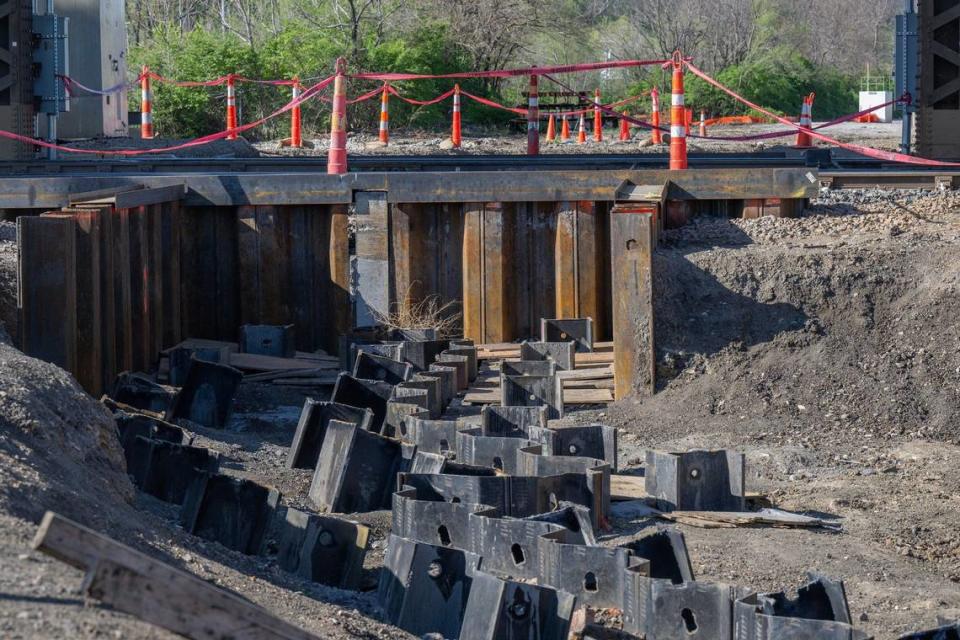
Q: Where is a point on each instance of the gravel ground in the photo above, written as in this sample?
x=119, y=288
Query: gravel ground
x=882, y=136
x=825, y=348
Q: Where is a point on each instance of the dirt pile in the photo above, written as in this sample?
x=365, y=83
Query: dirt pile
x=841, y=320
x=58, y=448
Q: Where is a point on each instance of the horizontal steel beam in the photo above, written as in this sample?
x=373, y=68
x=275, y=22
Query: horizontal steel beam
x=236, y=189
x=918, y=179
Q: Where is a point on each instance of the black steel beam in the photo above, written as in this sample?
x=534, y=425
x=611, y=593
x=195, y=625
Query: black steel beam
x=234, y=189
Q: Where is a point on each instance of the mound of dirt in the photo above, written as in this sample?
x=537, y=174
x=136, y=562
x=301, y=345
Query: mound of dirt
x=841, y=321
x=58, y=447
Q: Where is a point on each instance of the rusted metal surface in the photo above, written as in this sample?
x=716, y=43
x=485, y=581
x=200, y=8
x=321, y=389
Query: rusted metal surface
x=775, y=207
x=631, y=242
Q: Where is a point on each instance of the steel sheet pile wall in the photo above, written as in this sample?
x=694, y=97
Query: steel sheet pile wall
x=504, y=266
x=266, y=265
x=99, y=288
x=105, y=289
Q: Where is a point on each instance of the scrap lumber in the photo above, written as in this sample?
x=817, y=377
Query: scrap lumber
x=253, y=362
x=777, y=518
x=134, y=583
x=570, y=397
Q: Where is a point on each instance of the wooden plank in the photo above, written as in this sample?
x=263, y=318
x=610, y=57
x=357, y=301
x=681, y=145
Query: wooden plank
x=108, y=301
x=567, y=297
x=274, y=264
x=156, y=301
x=248, y=264
x=254, y=362
x=170, y=272
x=48, y=293
x=572, y=397
x=336, y=301
x=498, y=280
x=448, y=224
x=631, y=241
x=89, y=302
x=591, y=266
x=139, y=266
x=472, y=261
x=135, y=583
x=227, y=288
x=402, y=263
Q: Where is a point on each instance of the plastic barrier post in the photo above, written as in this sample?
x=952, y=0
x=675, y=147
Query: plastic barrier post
x=597, y=118
x=582, y=130
x=678, y=118
x=296, y=122
x=656, y=135
x=703, y=123
x=689, y=121
x=806, y=120
x=146, y=105
x=337, y=157
x=624, y=129
x=385, y=116
x=552, y=128
x=455, y=136
x=231, y=107
x=565, y=129
x=533, y=118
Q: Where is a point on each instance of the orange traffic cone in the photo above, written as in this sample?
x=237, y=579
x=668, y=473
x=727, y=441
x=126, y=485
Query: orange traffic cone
x=703, y=123
x=624, y=129
x=656, y=135
x=581, y=131
x=689, y=119
x=597, y=118
x=565, y=129
x=552, y=129
x=806, y=120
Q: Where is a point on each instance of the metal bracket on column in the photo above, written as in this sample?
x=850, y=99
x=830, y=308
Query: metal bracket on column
x=323, y=549
x=235, y=512
x=312, y=427
x=560, y=353
x=368, y=366
x=696, y=480
x=580, y=330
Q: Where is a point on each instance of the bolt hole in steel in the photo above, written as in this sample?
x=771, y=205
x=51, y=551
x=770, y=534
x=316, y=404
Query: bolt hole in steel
x=563, y=336
x=689, y=620
x=533, y=397
x=435, y=570
x=498, y=463
x=695, y=473
x=517, y=552
x=590, y=581
x=326, y=539
x=518, y=610
x=455, y=500
x=444, y=535
x=444, y=445
x=631, y=244
x=573, y=449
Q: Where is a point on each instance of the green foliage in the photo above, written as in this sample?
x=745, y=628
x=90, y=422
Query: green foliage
x=298, y=51
x=777, y=81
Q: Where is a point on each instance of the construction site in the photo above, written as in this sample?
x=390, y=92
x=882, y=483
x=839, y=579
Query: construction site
x=611, y=367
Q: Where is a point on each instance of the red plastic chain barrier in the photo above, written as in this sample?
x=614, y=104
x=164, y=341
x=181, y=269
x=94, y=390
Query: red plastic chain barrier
x=306, y=95
x=420, y=103
x=870, y=152
x=71, y=86
x=510, y=73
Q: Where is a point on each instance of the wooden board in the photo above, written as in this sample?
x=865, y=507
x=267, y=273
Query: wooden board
x=571, y=397
x=253, y=362
x=133, y=582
